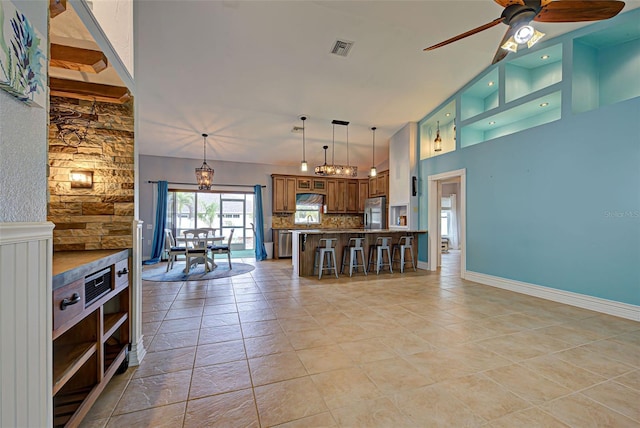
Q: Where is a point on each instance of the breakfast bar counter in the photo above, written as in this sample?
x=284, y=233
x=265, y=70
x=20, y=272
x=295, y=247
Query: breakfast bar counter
x=305, y=242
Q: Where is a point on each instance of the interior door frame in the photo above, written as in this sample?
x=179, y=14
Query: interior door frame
x=434, y=186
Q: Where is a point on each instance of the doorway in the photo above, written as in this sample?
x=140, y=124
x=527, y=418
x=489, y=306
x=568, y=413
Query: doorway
x=435, y=212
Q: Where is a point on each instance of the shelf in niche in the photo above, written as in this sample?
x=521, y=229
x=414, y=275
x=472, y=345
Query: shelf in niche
x=446, y=117
x=605, y=67
x=535, y=112
x=481, y=97
x=533, y=72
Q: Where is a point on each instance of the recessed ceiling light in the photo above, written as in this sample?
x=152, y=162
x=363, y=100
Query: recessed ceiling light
x=493, y=122
x=544, y=57
x=448, y=114
x=490, y=83
x=544, y=104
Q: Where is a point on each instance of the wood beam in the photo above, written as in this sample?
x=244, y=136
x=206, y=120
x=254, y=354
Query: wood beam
x=88, y=91
x=78, y=59
x=56, y=7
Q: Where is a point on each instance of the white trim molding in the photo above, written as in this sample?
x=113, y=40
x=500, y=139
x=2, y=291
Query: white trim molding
x=610, y=307
x=137, y=345
x=26, y=252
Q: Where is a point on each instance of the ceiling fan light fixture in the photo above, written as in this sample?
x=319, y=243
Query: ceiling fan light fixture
x=510, y=45
x=537, y=35
x=523, y=34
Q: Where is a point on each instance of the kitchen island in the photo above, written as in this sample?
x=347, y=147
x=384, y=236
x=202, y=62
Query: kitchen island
x=305, y=242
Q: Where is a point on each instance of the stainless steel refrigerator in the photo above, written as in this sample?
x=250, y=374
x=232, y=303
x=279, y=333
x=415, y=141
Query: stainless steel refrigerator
x=375, y=213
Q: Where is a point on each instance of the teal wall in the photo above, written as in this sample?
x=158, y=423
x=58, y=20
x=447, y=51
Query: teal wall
x=557, y=205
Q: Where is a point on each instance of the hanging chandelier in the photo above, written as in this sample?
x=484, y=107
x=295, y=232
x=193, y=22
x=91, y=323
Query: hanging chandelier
x=204, y=174
x=333, y=169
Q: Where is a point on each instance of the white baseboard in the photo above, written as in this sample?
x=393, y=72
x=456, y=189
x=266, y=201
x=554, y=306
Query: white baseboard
x=610, y=307
x=422, y=265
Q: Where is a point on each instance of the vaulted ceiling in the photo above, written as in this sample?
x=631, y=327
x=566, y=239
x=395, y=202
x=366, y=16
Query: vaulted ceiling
x=244, y=71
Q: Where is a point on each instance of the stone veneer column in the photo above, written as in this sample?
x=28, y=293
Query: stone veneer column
x=137, y=346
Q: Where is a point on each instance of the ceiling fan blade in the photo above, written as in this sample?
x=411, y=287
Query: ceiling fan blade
x=467, y=34
x=502, y=53
x=505, y=3
x=579, y=10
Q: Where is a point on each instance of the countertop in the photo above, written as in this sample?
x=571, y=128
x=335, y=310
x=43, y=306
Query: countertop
x=69, y=266
x=342, y=231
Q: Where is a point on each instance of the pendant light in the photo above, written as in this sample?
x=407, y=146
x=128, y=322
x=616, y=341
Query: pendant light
x=437, y=146
x=333, y=169
x=204, y=174
x=373, y=172
x=303, y=165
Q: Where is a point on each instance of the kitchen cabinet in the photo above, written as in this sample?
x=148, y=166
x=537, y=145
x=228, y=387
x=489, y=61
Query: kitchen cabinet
x=363, y=194
x=351, y=196
x=337, y=196
x=91, y=306
x=284, y=194
x=379, y=185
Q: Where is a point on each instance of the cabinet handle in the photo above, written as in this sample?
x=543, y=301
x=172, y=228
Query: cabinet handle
x=124, y=271
x=68, y=302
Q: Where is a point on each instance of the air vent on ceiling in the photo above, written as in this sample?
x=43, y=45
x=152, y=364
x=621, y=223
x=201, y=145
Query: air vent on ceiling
x=341, y=47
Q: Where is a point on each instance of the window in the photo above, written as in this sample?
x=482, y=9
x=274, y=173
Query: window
x=308, y=208
x=445, y=216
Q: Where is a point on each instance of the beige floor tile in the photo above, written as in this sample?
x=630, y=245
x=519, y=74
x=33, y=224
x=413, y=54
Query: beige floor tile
x=617, y=397
x=293, y=325
x=435, y=406
x=257, y=315
x=233, y=409
x=527, y=384
x=378, y=413
x=562, y=372
x=219, y=320
x=406, y=344
x=183, y=324
x=594, y=362
x=266, y=345
x=178, y=339
x=309, y=339
x=571, y=333
x=168, y=416
x=220, y=334
x=623, y=352
x=223, y=352
x=275, y=368
x=288, y=401
x=484, y=397
x=345, y=387
x=172, y=360
x=367, y=350
x=322, y=420
x=576, y=410
x=154, y=391
x=395, y=374
x=219, y=378
x=260, y=328
x=220, y=309
x=324, y=358
x=184, y=313
x=530, y=418
x=94, y=423
x=523, y=345
x=106, y=403
x=631, y=380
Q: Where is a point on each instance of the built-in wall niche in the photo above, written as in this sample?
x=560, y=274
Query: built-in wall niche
x=398, y=216
x=606, y=67
x=532, y=72
x=443, y=124
x=482, y=96
x=536, y=112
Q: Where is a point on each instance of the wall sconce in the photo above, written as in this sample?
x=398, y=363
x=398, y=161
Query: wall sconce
x=81, y=179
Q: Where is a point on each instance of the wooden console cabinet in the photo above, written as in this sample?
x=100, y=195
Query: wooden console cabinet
x=91, y=336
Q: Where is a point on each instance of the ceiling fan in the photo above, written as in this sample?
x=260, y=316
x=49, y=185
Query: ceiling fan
x=518, y=14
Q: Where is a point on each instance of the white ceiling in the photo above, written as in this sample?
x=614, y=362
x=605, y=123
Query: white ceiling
x=244, y=71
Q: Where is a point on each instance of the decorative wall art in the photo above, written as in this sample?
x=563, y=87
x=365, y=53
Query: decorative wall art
x=22, y=60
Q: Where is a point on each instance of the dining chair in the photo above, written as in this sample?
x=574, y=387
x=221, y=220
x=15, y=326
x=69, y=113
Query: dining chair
x=171, y=248
x=223, y=249
x=196, y=248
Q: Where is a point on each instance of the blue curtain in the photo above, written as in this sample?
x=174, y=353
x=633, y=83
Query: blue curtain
x=261, y=253
x=161, y=224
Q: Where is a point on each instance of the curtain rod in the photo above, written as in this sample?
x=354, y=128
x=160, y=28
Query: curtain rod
x=216, y=184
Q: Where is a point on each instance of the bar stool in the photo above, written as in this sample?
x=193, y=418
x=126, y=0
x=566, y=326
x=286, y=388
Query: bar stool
x=382, y=244
x=404, y=244
x=326, y=251
x=354, y=247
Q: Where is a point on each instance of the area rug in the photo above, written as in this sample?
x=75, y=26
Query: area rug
x=158, y=272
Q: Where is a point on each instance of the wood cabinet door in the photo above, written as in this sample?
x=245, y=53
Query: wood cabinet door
x=303, y=184
x=332, y=196
x=352, y=196
x=363, y=194
x=279, y=194
x=383, y=184
x=372, y=186
x=341, y=196
x=290, y=204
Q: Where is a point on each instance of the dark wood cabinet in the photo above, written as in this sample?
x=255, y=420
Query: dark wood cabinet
x=379, y=185
x=284, y=194
x=351, y=196
x=363, y=194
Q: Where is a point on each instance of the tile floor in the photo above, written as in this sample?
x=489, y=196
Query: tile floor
x=395, y=350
